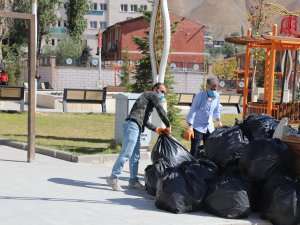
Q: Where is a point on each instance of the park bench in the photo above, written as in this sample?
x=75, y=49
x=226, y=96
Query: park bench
x=231, y=100
x=12, y=94
x=186, y=99
x=92, y=96
x=116, y=89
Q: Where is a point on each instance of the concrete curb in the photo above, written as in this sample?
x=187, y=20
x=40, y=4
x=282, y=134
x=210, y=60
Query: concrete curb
x=93, y=159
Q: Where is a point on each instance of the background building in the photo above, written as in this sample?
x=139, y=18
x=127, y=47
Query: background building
x=187, y=45
x=103, y=13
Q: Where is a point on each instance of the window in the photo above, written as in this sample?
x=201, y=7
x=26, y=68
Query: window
x=53, y=42
x=103, y=6
x=58, y=23
x=93, y=24
x=133, y=8
x=94, y=6
x=144, y=7
x=65, y=5
x=124, y=8
x=65, y=24
x=103, y=24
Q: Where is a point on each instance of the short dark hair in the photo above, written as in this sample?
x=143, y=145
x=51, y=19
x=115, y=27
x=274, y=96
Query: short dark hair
x=157, y=85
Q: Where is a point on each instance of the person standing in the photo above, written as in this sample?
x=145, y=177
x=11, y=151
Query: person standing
x=3, y=78
x=205, y=107
x=133, y=126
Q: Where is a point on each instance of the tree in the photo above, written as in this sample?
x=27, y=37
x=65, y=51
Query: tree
x=126, y=71
x=224, y=69
x=69, y=47
x=260, y=20
x=143, y=75
x=46, y=16
x=76, y=10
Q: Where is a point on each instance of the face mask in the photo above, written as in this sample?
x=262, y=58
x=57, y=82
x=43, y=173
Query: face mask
x=211, y=93
x=161, y=95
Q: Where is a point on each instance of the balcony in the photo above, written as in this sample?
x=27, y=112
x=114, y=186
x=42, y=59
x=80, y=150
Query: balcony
x=58, y=30
x=95, y=13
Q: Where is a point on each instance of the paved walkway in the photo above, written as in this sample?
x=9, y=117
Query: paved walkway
x=55, y=192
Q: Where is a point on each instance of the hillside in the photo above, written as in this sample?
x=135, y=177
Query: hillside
x=223, y=17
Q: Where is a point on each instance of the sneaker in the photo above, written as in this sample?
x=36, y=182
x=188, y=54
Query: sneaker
x=136, y=185
x=114, y=184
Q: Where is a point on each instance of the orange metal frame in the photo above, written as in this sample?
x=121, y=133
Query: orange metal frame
x=272, y=45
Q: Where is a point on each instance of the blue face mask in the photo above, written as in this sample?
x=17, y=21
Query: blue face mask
x=211, y=93
x=161, y=95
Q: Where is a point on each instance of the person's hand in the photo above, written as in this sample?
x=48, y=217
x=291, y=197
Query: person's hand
x=159, y=130
x=167, y=131
x=189, y=134
x=218, y=124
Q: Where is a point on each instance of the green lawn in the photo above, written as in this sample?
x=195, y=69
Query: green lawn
x=73, y=132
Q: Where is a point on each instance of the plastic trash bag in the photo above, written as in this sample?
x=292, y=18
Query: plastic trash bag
x=170, y=150
x=281, y=201
x=201, y=169
x=152, y=173
x=228, y=197
x=224, y=146
x=264, y=158
x=256, y=126
x=180, y=192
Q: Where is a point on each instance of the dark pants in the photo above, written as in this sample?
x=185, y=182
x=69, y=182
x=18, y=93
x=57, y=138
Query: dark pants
x=195, y=142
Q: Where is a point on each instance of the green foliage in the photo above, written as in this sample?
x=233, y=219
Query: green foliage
x=260, y=16
x=143, y=75
x=76, y=10
x=13, y=64
x=297, y=97
x=46, y=16
x=172, y=100
x=69, y=47
x=225, y=68
x=126, y=71
x=86, y=54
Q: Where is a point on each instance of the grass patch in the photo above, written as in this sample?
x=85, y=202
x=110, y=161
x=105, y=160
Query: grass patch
x=77, y=133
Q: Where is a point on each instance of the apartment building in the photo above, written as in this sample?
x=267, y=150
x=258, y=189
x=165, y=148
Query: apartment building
x=102, y=14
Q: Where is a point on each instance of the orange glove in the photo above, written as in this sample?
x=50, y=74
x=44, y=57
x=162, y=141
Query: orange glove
x=188, y=134
x=159, y=130
x=167, y=131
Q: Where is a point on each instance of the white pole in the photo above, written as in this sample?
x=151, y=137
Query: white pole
x=151, y=41
x=167, y=41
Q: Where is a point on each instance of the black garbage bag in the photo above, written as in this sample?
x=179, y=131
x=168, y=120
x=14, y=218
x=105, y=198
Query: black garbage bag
x=228, y=197
x=264, y=158
x=201, y=169
x=170, y=150
x=256, y=126
x=224, y=146
x=180, y=192
x=152, y=173
x=281, y=201
x=256, y=196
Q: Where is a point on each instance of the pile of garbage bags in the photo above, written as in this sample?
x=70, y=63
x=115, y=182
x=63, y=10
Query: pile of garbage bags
x=242, y=170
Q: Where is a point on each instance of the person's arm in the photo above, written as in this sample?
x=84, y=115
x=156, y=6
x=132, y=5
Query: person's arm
x=160, y=110
x=217, y=112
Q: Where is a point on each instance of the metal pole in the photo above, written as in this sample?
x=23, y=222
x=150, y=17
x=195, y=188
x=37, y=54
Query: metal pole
x=295, y=76
x=31, y=92
x=34, y=12
x=100, y=60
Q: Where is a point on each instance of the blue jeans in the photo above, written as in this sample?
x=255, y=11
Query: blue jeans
x=130, y=151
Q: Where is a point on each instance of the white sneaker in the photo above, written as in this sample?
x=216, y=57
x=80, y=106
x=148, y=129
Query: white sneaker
x=114, y=184
x=136, y=185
